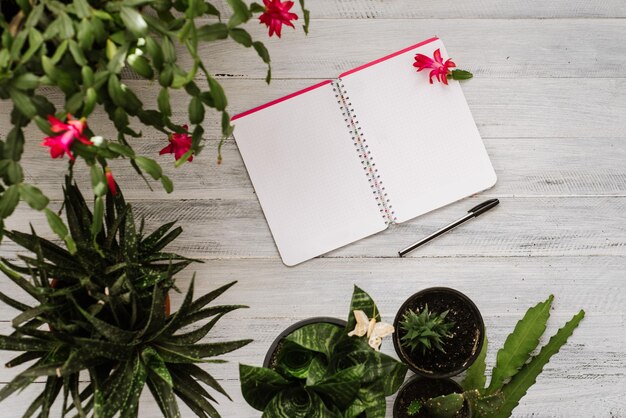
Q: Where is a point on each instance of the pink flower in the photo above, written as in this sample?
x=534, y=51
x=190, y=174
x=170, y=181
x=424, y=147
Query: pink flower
x=179, y=145
x=439, y=69
x=276, y=14
x=110, y=181
x=61, y=144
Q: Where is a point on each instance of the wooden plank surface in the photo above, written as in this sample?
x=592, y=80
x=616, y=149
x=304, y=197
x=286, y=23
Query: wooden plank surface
x=549, y=100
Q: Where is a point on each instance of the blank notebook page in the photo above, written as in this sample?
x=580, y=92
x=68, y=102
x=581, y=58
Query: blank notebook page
x=308, y=178
x=422, y=136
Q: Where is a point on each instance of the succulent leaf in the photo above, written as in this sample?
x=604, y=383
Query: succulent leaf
x=425, y=330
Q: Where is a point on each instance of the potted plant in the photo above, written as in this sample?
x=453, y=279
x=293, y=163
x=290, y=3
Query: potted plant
x=101, y=312
x=415, y=397
x=515, y=371
x=88, y=49
x=327, y=368
x=440, y=332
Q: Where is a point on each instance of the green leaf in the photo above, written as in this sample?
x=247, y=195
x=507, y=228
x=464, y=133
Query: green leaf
x=167, y=184
x=26, y=81
x=66, y=26
x=241, y=36
x=307, y=17
x=259, y=385
x=82, y=7
x=98, y=180
x=163, y=100
x=23, y=103
x=110, y=332
x=475, y=376
x=134, y=21
x=118, y=390
x=8, y=201
x=217, y=92
x=213, y=32
x=169, y=52
x=363, y=302
x=526, y=377
x=196, y=111
x=154, y=363
x=164, y=396
x=14, y=145
x=58, y=227
x=24, y=344
x=294, y=360
x=141, y=66
x=172, y=353
x=204, y=377
x=446, y=406
x=520, y=344
x=98, y=216
x=298, y=402
x=130, y=407
x=149, y=166
x=320, y=337
x=241, y=13
x=77, y=53
x=343, y=386
x=33, y=196
x=461, y=75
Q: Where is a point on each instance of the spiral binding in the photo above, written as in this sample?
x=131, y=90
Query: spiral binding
x=367, y=161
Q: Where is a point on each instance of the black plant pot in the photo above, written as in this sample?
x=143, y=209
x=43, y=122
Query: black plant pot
x=421, y=389
x=464, y=346
x=275, y=347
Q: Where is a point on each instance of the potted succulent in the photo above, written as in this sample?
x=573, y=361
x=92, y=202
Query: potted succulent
x=101, y=313
x=440, y=332
x=515, y=371
x=327, y=368
x=415, y=397
x=89, y=49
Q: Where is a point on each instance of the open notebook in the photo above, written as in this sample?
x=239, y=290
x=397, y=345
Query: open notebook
x=343, y=159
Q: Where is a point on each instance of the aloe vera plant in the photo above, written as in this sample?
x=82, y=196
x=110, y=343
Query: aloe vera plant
x=101, y=314
x=516, y=369
x=320, y=371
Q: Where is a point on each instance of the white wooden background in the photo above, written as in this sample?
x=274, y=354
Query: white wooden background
x=549, y=99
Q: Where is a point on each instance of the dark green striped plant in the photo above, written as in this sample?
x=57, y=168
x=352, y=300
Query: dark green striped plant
x=321, y=372
x=516, y=369
x=101, y=314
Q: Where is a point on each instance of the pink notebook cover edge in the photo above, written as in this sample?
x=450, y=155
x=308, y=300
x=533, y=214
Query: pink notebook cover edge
x=326, y=82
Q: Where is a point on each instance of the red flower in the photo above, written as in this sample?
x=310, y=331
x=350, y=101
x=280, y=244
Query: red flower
x=110, y=180
x=276, y=14
x=179, y=145
x=61, y=144
x=439, y=69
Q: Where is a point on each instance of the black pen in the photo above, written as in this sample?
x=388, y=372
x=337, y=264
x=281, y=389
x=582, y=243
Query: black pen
x=472, y=213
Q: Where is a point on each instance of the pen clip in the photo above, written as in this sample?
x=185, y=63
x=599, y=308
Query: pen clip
x=484, y=206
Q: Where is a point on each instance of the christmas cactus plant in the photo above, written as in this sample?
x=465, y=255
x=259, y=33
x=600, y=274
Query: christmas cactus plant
x=83, y=47
x=102, y=313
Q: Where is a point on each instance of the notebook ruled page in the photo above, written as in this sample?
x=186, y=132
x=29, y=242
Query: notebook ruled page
x=307, y=176
x=422, y=136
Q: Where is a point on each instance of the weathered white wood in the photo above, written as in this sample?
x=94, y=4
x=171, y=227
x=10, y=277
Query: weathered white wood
x=545, y=226
x=499, y=48
x=441, y=9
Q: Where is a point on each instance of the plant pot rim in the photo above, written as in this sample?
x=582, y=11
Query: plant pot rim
x=396, y=336
x=290, y=329
x=413, y=379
